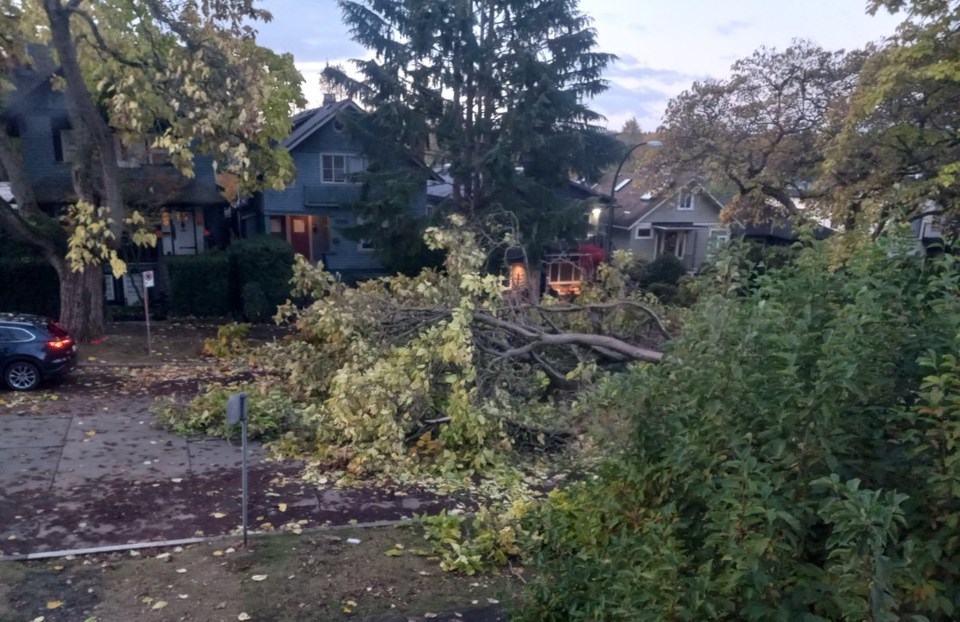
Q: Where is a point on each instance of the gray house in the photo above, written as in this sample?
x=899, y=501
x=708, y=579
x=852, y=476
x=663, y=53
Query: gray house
x=313, y=211
x=683, y=222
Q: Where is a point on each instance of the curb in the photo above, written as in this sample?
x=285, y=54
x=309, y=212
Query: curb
x=133, y=546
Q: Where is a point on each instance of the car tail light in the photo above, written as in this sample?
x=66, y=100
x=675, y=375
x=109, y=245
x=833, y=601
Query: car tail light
x=60, y=344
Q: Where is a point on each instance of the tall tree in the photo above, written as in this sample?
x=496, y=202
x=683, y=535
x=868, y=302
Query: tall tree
x=188, y=76
x=898, y=156
x=763, y=128
x=496, y=90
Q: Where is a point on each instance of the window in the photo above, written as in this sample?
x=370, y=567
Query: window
x=341, y=169
x=14, y=335
x=644, y=233
x=685, y=200
x=719, y=236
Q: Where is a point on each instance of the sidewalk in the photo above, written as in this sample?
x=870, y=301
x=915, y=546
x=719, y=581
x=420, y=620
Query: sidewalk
x=75, y=481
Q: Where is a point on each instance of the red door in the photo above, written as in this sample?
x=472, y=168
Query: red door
x=300, y=235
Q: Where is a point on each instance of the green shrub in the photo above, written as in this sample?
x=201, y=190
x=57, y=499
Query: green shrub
x=266, y=260
x=29, y=286
x=795, y=457
x=255, y=305
x=665, y=269
x=28, y=283
x=199, y=284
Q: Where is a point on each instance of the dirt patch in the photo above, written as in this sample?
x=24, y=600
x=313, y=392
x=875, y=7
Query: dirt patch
x=320, y=576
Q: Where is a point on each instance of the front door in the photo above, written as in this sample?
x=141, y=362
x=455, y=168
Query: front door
x=673, y=243
x=300, y=235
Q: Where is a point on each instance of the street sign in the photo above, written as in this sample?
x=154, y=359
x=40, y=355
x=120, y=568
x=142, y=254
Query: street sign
x=148, y=278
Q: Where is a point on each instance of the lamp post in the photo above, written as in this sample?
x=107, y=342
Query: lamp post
x=612, y=199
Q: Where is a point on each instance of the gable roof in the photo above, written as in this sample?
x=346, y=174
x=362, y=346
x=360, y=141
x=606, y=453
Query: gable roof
x=635, y=204
x=309, y=121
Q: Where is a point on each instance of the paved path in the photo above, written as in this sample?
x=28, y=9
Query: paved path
x=100, y=473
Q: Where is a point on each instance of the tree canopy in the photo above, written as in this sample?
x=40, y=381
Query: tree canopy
x=495, y=92
x=187, y=77
x=763, y=129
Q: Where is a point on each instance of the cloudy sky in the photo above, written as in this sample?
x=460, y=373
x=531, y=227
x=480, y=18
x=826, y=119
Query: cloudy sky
x=663, y=45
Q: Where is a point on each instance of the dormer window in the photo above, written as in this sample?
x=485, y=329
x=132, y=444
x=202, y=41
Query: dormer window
x=685, y=200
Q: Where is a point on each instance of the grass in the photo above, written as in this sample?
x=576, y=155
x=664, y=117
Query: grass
x=320, y=576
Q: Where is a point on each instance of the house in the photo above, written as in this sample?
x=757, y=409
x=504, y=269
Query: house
x=683, y=221
x=313, y=213
x=188, y=212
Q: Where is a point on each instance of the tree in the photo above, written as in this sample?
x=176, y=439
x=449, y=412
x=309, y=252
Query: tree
x=763, y=129
x=898, y=156
x=494, y=90
x=190, y=78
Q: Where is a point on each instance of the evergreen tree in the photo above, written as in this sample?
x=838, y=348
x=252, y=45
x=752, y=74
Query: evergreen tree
x=493, y=90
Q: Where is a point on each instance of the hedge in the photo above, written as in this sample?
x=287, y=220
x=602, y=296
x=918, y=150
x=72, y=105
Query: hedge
x=199, y=284
x=265, y=260
x=29, y=286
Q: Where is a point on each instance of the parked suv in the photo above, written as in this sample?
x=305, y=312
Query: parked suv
x=32, y=349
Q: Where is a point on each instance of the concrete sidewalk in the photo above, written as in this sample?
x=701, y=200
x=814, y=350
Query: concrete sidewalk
x=111, y=477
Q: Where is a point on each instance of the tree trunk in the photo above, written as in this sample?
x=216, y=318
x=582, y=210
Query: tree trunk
x=81, y=302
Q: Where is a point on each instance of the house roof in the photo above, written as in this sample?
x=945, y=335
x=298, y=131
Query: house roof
x=634, y=203
x=309, y=121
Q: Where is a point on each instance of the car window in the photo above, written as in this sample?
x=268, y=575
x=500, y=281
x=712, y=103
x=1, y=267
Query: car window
x=9, y=334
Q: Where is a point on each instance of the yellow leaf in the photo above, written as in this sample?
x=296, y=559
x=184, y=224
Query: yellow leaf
x=90, y=433
x=282, y=506
x=160, y=604
x=218, y=515
x=218, y=553
x=54, y=604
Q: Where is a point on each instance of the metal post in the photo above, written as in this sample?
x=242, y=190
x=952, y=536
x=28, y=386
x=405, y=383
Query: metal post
x=243, y=434
x=146, y=313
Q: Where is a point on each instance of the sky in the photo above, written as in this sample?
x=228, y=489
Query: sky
x=663, y=45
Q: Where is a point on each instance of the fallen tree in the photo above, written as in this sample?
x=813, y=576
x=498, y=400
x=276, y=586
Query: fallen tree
x=448, y=367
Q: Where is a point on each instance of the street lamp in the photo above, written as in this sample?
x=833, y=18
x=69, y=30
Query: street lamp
x=612, y=199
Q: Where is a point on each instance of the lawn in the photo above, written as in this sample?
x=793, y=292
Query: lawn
x=315, y=576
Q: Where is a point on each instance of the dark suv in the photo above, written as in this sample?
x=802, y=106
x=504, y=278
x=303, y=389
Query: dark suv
x=32, y=349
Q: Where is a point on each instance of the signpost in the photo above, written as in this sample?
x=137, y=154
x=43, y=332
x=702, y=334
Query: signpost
x=147, y=279
x=237, y=413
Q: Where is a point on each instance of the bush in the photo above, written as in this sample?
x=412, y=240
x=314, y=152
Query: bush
x=255, y=305
x=265, y=260
x=796, y=456
x=28, y=283
x=29, y=286
x=199, y=285
x=665, y=269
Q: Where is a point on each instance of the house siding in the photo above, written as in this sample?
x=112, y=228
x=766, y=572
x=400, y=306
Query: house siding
x=704, y=216
x=307, y=195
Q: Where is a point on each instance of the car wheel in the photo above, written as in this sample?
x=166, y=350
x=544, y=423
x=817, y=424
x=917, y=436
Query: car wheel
x=22, y=376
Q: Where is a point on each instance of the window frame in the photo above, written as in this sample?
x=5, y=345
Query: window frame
x=685, y=200
x=647, y=230
x=349, y=175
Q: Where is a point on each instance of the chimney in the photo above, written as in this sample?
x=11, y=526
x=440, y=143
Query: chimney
x=329, y=99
